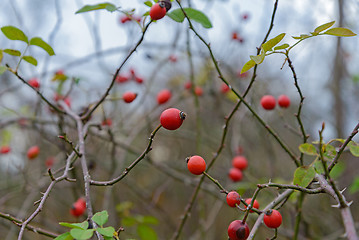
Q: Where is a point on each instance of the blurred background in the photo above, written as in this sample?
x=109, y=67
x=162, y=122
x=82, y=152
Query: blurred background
x=90, y=47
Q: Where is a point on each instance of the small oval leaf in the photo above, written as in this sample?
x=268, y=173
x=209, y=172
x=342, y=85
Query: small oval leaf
x=340, y=32
x=30, y=60
x=193, y=14
x=323, y=27
x=81, y=234
x=107, y=232
x=354, y=148
x=12, y=52
x=176, y=15
x=248, y=66
x=267, y=46
x=303, y=176
x=83, y=225
x=36, y=41
x=100, y=218
x=65, y=236
x=146, y=233
x=87, y=8
x=308, y=149
x=283, y=46
x=2, y=69
x=14, y=33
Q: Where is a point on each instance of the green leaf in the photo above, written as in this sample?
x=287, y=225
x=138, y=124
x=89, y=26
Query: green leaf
x=12, y=52
x=149, y=220
x=354, y=148
x=30, y=60
x=329, y=151
x=302, y=36
x=107, y=232
x=318, y=165
x=323, y=27
x=337, y=170
x=148, y=3
x=267, y=46
x=2, y=69
x=340, y=32
x=100, y=218
x=83, y=225
x=36, y=41
x=193, y=14
x=1, y=55
x=354, y=187
x=87, y=8
x=14, y=33
x=303, y=176
x=283, y=46
x=308, y=149
x=129, y=221
x=248, y=66
x=257, y=59
x=65, y=236
x=81, y=234
x=146, y=233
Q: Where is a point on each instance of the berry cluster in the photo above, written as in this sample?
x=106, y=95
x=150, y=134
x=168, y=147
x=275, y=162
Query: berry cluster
x=132, y=75
x=268, y=102
x=239, y=163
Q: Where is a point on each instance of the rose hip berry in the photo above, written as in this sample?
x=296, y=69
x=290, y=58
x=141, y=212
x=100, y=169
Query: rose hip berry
x=129, y=97
x=272, y=219
x=283, y=101
x=157, y=11
x=33, y=82
x=172, y=118
x=163, y=96
x=238, y=230
x=78, y=208
x=255, y=204
x=240, y=162
x=121, y=79
x=5, y=149
x=33, y=152
x=198, y=91
x=268, y=102
x=196, y=165
x=235, y=174
x=224, y=88
x=233, y=198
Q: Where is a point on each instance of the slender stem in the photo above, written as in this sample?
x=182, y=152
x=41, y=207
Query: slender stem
x=215, y=181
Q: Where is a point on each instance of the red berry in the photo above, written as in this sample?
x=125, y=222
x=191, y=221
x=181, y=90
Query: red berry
x=235, y=174
x=78, y=208
x=139, y=79
x=121, y=78
x=129, y=97
x=238, y=230
x=172, y=58
x=172, y=118
x=33, y=82
x=5, y=149
x=188, y=85
x=268, y=102
x=33, y=152
x=283, y=101
x=234, y=35
x=245, y=16
x=107, y=122
x=224, y=88
x=124, y=19
x=163, y=96
x=157, y=12
x=49, y=162
x=67, y=101
x=272, y=219
x=198, y=91
x=255, y=204
x=233, y=198
x=240, y=162
x=196, y=165
x=60, y=72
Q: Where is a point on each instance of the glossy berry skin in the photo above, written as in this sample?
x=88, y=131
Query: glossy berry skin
x=268, y=102
x=255, y=204
x=272, y=219
x=33, y=152
x=235, y=174
x=240, y=162
x=196, y=165
x=5, y=149
x=157, y=12
x=233, y=198
x=33, y=82
x=172, y=118
x=128, y=97
x=238, y=230
x=163, y=96
x=78, y=208
x=283, y=101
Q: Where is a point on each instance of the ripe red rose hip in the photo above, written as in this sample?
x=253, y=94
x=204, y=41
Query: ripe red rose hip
x=33, y=152
x=198, y=91
x=5, y=149
x=163, y=96
x=238, y=230
x=240, y=162
x=272, y=219
x=268, y=102
x=121, y=79
x=157, y=11
x=235, y=174
x=224, y=88
x=255, y=204
x=33, y=82
x=233, y=198
x=129, y=97
x=283, y=101
x=78, y=208
x=172, y=118
x=196, y=165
